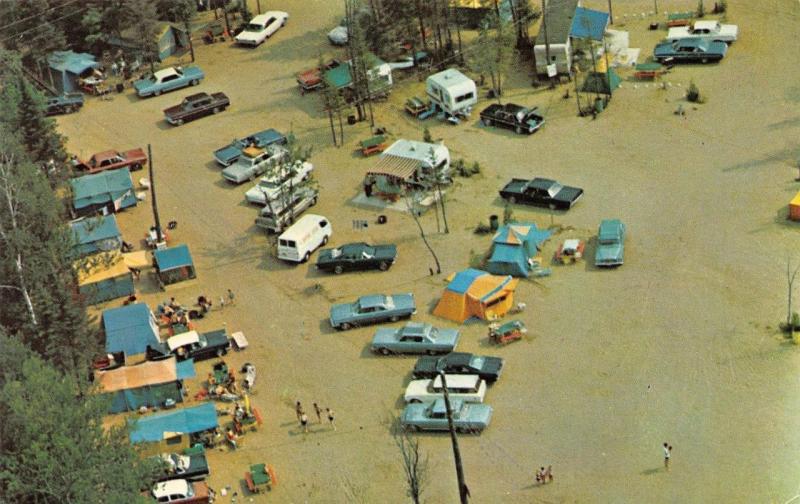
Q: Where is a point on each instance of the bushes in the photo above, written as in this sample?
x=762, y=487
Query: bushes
x=461, y=169
x=693, y=93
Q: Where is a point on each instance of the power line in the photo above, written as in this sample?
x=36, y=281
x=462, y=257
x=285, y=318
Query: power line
x=3, y=28
x=50, y=22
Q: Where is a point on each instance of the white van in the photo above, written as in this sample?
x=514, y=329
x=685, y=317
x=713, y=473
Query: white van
x=304, y=236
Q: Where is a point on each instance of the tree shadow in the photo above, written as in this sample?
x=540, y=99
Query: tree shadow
x=650, y=472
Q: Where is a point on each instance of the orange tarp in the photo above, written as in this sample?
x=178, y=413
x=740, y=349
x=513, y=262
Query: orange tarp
x=140, y=375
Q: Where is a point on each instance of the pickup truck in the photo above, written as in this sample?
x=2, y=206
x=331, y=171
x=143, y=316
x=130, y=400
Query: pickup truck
x=541, y=192
x=196, y=106
x=281, y=215
x=711, y=30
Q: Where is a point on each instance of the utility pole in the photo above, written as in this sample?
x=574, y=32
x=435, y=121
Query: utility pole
x=655, y=6
x=611, y=14
x=463, y=491
x=227, y=23
x=258, y=6
x=546, y=45
x=153, y=195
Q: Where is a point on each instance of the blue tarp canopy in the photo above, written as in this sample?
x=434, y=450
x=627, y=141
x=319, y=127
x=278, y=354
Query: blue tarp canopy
x=96, y=234
x=513, y=245
x=463, y=280
x=589, y=23
x=110, y=189
x=182, y=421
x=185, y=369
x=66, y=67
x=129, y=329
x=173, y=258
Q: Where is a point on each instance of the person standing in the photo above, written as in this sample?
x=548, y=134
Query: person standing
x=298, y=410
x=318, y=411
x=331, y=417
x=304, y=422
x=548, y=474
x=230, y=296
x=667, y=454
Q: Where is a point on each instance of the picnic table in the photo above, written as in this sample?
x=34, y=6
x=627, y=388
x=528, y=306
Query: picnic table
x=415, y=106
x=648, y=70
x=260, y=476
x=680, y=19
x=373, y=145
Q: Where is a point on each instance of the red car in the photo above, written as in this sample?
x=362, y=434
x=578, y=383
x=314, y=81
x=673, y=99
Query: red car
x=134, y=159
x=311, y=79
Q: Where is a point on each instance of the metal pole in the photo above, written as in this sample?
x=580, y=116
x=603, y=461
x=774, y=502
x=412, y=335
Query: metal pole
x=258, y=6
x=655, y=6
x=462, y=486
x=610, y=14
x=153, y=195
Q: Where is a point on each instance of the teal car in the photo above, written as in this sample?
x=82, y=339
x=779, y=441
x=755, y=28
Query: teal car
x=610, y=243
x=168, y=79
x=467, y=417
x=415, y=338
x=372, y=309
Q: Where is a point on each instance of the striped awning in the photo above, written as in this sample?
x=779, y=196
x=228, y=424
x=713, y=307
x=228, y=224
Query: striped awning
x=395, y=166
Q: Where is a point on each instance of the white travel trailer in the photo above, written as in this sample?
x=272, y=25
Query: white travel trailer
x=452, y=92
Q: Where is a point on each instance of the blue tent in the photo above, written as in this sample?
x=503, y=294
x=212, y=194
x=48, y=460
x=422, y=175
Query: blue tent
x=155, y=428
x=149, y=384
x=512, y=246
x=111, y=190
x=96, y=234
x=174, y=264
x=130, y=329
x=589, y=23
x=67, y=66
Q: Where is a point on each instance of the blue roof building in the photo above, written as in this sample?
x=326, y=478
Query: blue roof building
x=174, y=264
x=589, y=24
x=100, y=234
x=130, y=329
x=110, y=190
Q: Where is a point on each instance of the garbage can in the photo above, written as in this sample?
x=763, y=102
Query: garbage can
x=494, y=222
x=598, y=104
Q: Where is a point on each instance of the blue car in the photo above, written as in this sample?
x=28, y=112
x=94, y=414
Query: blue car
x=372, y=309
x=228, y=155
x=467, y=417
x=610, y=243
x=692, y=49
x=168, y=79
x=64, y=104
x=415, y=337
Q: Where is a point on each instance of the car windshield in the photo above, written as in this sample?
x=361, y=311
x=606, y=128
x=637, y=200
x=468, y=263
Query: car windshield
x=555, y=189
x=269, y=184
x=336, y=252
x=253, y=27
x=477, y=362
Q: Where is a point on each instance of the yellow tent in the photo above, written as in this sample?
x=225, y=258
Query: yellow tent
x=475, y=293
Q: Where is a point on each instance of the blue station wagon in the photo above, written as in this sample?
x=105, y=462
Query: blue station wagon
x=610, y=243
x=415, y=337
x=372, y=309
x=467, y=417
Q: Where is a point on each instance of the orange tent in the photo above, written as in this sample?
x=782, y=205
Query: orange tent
x=475, y=293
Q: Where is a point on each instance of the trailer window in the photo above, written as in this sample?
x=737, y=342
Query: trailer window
x=465, y=97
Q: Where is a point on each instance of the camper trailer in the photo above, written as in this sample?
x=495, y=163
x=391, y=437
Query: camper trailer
x=452, y=92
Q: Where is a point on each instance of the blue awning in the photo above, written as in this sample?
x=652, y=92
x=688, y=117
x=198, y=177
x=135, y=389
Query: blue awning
x=128, y=329
x=182, y=421
x=589, y=23
x=173, y=258
x=72, y=62
x=185, y=369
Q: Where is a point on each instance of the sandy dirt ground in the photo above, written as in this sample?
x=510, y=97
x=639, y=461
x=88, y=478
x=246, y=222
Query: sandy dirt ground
x=679, y=344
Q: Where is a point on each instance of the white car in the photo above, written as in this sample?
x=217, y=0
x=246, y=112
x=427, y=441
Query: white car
x=261, y=27
x=270, y=186
x=252, y=163
x=469, y=388
x=711, y=30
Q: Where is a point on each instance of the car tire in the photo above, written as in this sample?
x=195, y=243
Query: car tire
x=215, y=111
x=416, y=428
x=157, y=92
x=313, y=202
x=384, y=351
x=179, y=122
x=512, y=199
x=324, y=240
x=194, y=82
x=704, y=60
x=136, y=167
x=69, y=110
x=383, y=266
x=394, y=318
x=431, y=352
x=345, y=326
x=338, y=270
x=486, y=122
x=307, y=257
x=519, y=130
x=220, y=352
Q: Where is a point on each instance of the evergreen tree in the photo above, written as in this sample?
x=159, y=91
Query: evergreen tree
x=55, y=448
x=38, y=132
x=37, y=282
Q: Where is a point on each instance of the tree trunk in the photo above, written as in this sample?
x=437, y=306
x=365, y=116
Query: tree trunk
x=189, y=36
x=413, y=212
x=341, y=127
x=333, y=128
x=153, y=196
x=420, y=17
x=441, y=201
x=463, y=492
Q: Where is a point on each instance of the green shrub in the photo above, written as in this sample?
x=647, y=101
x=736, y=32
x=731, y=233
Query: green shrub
x=693, y=93
x=476, y=168
x=701, y=10
x=482, y=228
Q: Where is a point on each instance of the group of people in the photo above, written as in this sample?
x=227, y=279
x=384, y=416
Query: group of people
x=303, y=418
x=544, y=475
x=175, y=313
x=227, y=385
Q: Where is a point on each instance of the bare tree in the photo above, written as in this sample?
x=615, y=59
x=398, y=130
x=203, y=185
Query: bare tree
x=791, y=276
x=414, y=210
x=415, y=464
x=9, y=191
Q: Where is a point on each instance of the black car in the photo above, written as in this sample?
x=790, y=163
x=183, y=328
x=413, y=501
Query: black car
x=541, y=192
x=190, y=465
x=356, y=257
x=516, y=117
x=192, y=345
x=63, y=104
x=488, y=368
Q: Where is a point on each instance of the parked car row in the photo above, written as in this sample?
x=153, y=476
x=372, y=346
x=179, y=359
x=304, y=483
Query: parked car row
x=700, y=42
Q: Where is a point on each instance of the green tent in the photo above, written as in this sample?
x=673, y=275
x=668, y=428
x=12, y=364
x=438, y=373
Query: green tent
x=598, y=82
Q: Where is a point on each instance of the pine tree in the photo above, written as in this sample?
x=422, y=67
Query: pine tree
x=38, y=132
x=55, y=448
